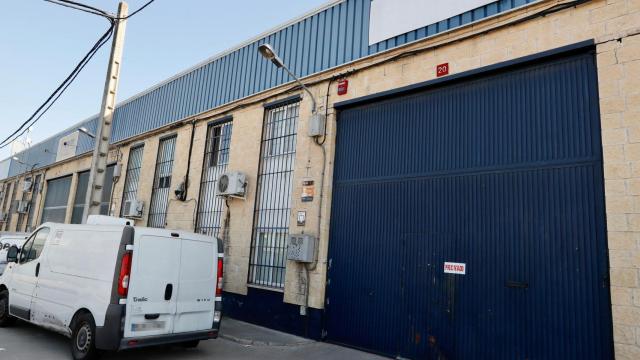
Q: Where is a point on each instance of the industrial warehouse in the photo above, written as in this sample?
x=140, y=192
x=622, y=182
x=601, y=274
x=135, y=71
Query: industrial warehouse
x=460, y=184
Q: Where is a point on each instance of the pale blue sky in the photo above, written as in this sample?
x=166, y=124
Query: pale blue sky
x=41, y=42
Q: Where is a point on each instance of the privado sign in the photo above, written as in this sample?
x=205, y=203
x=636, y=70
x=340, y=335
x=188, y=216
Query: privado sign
x=455, y=268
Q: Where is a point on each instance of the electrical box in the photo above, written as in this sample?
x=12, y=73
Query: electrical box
x=133, y=209
x=301, y=248
x=316, y=125
x=117, y=170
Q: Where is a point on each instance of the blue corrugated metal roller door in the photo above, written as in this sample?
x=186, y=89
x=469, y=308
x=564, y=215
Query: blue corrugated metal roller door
x=501, y=172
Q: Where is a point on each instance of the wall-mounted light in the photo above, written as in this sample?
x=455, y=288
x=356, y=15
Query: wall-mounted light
x=270, y=54
x=85, y=131
x=17, y=159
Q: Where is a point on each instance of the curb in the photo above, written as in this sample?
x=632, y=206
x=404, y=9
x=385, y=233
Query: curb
x=251, y=342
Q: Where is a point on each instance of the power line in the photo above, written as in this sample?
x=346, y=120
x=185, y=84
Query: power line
x=96, y=11
x=51, y=100
x=78, y=6
x=58, y=91
x=135, y=12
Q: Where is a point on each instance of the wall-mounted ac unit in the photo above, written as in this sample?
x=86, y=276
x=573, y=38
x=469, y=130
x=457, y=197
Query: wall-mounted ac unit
x=27, y=185
x=22, y=206
x=133, y=209
x=232, y=184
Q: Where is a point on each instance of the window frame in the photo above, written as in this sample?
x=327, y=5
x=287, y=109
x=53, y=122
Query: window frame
x=28, y=245
x=274, y=196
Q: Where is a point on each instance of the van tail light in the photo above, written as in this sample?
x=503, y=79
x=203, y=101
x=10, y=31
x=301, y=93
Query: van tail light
x=125, y=275
x=219, y=281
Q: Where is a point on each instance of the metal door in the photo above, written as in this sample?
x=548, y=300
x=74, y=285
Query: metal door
x=501, y=171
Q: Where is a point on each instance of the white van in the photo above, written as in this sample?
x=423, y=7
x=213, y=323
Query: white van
x=115, y=287
x=7, y=241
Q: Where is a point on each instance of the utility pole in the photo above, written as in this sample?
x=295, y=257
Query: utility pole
x=103, y=133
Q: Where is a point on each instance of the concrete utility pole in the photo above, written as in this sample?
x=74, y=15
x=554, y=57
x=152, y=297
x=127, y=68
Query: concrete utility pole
x=103, y=133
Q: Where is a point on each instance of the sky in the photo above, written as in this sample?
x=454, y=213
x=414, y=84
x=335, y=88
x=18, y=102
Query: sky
x=40, y=43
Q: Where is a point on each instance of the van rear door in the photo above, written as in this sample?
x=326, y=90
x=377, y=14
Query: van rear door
x=152, y=300
x=197, y=286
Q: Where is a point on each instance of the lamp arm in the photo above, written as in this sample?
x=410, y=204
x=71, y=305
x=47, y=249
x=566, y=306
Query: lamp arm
x=313, y=99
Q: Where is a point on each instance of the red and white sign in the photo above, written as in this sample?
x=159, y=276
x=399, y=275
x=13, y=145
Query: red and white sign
x=455, y=268
x=442, y=69
x=343, y=87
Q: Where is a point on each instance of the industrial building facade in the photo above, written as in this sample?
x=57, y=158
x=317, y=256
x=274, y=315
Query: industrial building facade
x=475, y=194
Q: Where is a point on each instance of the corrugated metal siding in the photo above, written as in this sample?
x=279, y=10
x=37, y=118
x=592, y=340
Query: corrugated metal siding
x=329, y=38
x=502, y=172
x=4, y=168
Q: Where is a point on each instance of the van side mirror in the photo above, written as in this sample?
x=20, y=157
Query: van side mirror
x=12, y=254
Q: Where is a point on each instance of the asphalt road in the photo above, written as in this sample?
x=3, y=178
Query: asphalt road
x=27, y=342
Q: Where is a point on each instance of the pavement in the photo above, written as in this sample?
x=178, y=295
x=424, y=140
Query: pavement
x=238, y=340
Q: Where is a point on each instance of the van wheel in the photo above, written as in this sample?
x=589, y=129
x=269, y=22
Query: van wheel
x=5, y=318
x=190, y=344
x=83, y=338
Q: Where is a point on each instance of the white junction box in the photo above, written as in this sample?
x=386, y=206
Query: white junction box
x=316, y=125
x=301, y=248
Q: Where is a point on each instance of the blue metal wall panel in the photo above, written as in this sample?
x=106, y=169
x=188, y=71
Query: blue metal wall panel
x=502, y=172
x=332, y=37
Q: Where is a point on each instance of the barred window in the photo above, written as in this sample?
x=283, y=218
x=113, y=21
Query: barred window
x=12, y=204
x=216, y=158
x=55, y=202
x=162, y=183
x=134, y=166
x=35, y=190
x=273, y=201
x=79, y=203
x=23, y=198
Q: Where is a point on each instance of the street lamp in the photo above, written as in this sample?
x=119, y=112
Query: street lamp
x=16, y=159
x=86, y=132
x=268, y=53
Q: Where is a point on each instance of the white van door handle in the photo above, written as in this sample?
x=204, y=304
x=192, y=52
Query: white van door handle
x=168, y=292
x=37, y=269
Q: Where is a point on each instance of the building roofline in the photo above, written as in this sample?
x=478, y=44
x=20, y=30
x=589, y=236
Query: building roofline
x=209, y=60
x=224, y=53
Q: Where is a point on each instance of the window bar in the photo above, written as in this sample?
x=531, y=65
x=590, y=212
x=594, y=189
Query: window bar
x=216, y=159
x=35, y=190
x=134, y=167
x=273, y=203
x=8, y=189
x=162, y=183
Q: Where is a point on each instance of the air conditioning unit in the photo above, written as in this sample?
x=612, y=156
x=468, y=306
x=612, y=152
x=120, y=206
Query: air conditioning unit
x=3, y=217
x=133, y=209
x=27, y=185
x=23, y=206
x=232, y=184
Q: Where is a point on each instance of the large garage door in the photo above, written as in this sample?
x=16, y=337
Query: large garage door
x=501, y=172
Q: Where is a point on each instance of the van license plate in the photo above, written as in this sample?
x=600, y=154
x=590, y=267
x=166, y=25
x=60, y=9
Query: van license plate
x=156, y=325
